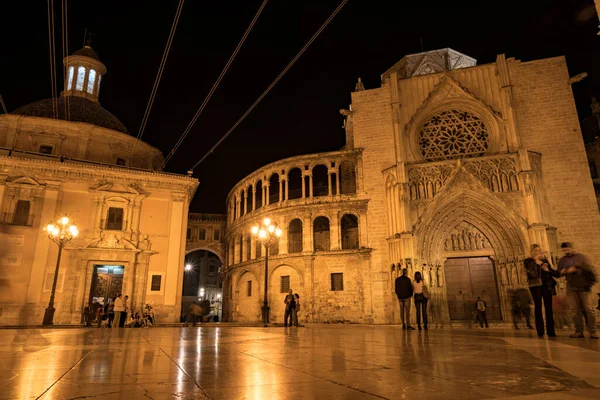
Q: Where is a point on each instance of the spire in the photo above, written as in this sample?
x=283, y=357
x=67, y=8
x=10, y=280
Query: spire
x=359, y=86
x=83, y=72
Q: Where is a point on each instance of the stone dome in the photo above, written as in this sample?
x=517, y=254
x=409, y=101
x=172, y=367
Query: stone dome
x=87, y=51
x=81, y=110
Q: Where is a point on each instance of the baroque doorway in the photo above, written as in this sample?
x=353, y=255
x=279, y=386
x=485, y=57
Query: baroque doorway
x=466, y=279
x=107, y=282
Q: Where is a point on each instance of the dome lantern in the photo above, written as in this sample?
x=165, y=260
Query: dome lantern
x=84, y=73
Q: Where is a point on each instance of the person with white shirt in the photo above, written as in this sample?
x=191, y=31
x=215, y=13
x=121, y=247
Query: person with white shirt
x=118, y=308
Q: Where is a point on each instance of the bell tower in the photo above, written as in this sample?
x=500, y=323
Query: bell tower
x=84, y=73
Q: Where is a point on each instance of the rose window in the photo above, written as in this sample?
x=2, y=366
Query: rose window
x=453, y=134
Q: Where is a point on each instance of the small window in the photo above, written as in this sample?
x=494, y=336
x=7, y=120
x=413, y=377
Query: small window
x=216, y=235
x=22, y=213
x=80, y=78
x=70, y=80
x=202, y=234
x=45, y=149
x=156, y=281
x=285, y=284
x=121, y=162
x=249, y=289
x=91, y=81
x=115, y=219
x=337, y=282
x=593, y=170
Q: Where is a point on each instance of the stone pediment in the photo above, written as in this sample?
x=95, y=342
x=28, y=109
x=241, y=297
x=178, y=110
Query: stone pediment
x=109, y=187
x=111, y=241
x=447, y=89
x=23, y=180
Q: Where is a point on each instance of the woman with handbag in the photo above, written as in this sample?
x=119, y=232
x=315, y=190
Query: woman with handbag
x=542, y=287
x=421, y=295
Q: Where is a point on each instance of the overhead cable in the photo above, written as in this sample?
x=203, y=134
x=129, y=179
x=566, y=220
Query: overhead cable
x=158, y=78
x=285, y=70
x=215, y=85
x=51, y=47
x=65, y=51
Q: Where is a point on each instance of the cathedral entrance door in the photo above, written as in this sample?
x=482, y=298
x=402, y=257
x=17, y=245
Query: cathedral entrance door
x=106, y=283
x=467, y=278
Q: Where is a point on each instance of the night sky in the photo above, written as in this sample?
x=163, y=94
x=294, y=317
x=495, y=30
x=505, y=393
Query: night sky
x=301, y=114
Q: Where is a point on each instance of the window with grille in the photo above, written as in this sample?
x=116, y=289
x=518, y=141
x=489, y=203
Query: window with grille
x=216, y=235
x=337, y=282
x=249, y=289
x=156, y=281
x=22, y=213
x=202, y=234
x=46, y=149
x=285, y=284
x=114, y=220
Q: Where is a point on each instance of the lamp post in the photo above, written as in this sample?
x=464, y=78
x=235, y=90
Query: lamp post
x=268, y=234
x=60, y=233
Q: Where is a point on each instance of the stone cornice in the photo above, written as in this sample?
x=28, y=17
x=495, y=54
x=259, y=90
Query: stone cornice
x=72, y=171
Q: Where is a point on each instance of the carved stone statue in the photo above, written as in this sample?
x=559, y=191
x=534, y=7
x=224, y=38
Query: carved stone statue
x=503, y=275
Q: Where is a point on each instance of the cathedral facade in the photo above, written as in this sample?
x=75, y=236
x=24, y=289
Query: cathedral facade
x=70, y=156
x=450, y=168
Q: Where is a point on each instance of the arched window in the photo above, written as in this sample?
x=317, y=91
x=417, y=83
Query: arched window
x=453, y=134
x=347, y=178
x=232, y=252
x=321, y=234
x=349, y=231
x=274, y=188
x=259, y=194
x=295, y=184
x=320, y=178
x=91, y=81
x=295, y=236
x=234, y=200
x=80, y=78
x=248, y=247
x=241, y=242
x=249, y=199
x=242, y=200
x=70, y=78
x=259, y=247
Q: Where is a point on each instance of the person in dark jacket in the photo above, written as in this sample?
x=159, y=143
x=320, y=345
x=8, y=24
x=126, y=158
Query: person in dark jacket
x=581, y=277
x=541, y=285
x=404, y=291
x=521, y=306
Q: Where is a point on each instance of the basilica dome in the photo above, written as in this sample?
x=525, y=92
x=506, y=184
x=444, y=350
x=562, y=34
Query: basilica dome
x=81, y=109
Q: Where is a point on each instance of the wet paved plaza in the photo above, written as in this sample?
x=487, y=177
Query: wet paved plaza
x=319, y=361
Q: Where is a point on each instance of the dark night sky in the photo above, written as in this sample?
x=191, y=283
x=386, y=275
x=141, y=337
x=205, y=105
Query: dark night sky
x=301, y=114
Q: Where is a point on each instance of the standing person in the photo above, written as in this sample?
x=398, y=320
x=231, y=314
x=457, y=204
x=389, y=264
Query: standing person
x=296, y=310
x=125, y=312
x=110, y=314
x=542, y=287
x=580, y=277
x=420, y=298
x=290, y=304
x=480, y=310
x=119, y=308
x=99, y=316
x=521, y=302
x=194, y=312
x=404, y=291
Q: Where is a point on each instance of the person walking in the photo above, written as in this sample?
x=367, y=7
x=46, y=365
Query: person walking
x=194, y=313
x=404, y=291
x=125, y=312
x=290, y=305
x=296, y=310
x=540, y=276
x=521, y=303
x=119, y=308
x=420, y=298
x=580, y=276
x=480, y=312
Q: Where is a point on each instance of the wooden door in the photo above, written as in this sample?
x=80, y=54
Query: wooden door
x=106, y=283
x=467, y=278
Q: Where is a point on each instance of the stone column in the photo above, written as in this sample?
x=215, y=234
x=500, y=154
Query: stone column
x=329, y=183
x=237, y=208
x=287, y=189
x=303, y=186
x=310, y=185
x=266, y=199
x=245, y=202
x=42, y=245
x=135, y=225
x=307, y=233
x=253, y=197
x=337, y=183
x=334, y=233
x=177, y=233
x=280, y=189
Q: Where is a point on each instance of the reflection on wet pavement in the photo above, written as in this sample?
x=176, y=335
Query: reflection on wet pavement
x=319, y=361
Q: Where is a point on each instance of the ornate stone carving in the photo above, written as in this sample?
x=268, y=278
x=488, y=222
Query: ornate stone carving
x=466, y=237
x=497, y=174
x=453, y=134
x=425, y=181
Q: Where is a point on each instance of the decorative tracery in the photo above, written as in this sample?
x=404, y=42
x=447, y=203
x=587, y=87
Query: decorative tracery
x=453, y=134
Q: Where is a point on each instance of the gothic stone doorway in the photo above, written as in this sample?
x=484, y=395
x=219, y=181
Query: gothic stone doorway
x=107, y=282
x=467, y=278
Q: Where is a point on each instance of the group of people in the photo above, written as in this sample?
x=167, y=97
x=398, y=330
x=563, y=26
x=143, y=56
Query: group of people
x=580, y=277
x=419, y=293
x=292, y=308
x=115, y=314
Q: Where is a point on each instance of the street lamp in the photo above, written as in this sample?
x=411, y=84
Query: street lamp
x=60, y=233
x=268, y=234
x=188, y=267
